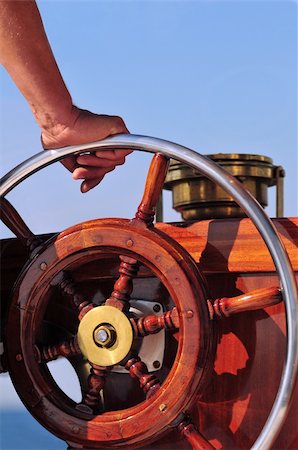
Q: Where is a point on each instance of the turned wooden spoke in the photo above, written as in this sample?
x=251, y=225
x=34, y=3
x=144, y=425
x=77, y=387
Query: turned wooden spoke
x=91, y=402
x=50, y=352
x=148, y=382
x=258, y=299
x=187, y=430
x=11, y=218
x=124, y=285
x=67, y=286
x=153, y=324
x=153, y=187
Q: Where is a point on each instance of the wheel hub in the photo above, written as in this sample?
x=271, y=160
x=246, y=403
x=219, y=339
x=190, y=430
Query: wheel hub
x=105, y=336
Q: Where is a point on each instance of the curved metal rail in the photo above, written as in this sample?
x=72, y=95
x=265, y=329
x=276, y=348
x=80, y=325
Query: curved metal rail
x=247, y=203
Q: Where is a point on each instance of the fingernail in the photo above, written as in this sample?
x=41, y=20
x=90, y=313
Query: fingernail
x=76, y=176
x=84, y=188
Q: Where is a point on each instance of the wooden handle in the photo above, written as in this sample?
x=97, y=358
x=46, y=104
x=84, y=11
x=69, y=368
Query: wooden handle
x=153, y=187
x=11, y=218
x=91, y=401
x=193, y=437
x=153, y=324
x=149, y=383
x=259, y=299
x=123, y=287
x=50, y=352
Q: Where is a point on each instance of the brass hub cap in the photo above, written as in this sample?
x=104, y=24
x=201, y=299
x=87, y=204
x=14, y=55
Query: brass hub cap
x=105, y=336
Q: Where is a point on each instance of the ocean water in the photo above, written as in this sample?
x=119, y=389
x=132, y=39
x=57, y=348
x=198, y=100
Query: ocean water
x=20, y=431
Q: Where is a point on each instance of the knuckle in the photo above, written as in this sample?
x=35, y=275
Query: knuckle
x=120, y=161
x=118, y=125
x=110, y=169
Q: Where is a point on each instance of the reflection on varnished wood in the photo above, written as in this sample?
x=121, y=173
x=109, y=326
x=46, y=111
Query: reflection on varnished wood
x=251, y=346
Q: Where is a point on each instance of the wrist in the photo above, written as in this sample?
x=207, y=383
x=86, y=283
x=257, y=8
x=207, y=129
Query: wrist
x=54, y=127
x=53, y=119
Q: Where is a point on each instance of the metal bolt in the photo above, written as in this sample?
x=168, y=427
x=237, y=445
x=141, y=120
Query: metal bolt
x=156, y=307
x=101, y=335
x=189, y=314
x=162, y=407
x=75, y=429
x=19, y=357
x=43, y=266
x=104, y=335
x=156, y=364
x=129, y=243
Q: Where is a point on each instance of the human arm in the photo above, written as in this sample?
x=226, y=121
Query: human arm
x=27, y=56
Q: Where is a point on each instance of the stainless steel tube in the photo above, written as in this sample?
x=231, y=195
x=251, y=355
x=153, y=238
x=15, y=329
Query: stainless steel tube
x=247, y=203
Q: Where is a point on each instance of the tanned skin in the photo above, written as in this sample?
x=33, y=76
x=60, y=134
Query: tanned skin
x=27, y=56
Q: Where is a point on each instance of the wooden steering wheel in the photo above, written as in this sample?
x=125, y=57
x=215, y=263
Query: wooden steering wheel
x=107, y=334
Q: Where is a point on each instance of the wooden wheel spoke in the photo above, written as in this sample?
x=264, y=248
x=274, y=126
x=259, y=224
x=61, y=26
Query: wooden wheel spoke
x=51, y=352
x=124, y=285
x=153, y=188
x=258, y=299
x=11, y=218
x=149, y=383
x=153, y=324
x=68, y=287
x=91, y=401
x=187, y=430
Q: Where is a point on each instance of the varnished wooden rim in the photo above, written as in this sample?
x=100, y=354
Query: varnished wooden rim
x=144, y=422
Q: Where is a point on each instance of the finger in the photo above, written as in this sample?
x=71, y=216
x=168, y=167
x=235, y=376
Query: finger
x=70, y=163
x=89, y=184
x=88, y=173
x=112, y=154
x=94, y=161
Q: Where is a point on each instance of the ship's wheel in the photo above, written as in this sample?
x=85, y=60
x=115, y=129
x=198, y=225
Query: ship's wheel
x=109, y=333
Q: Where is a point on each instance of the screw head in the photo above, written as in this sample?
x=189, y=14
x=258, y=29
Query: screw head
x=162, y=407
x=189, y=314
x=156, y=307
x=156, y=364
x=19, y=357
x=129, y=243
x=43, y=266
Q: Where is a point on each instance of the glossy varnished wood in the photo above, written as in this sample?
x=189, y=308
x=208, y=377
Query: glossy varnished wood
x=153, y=188
x=144, y=422
x=11, y=218
x=251, y=345
x=257, y=299
x=233, y=245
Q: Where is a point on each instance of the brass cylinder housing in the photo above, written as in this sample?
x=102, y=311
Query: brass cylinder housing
x=196, y=197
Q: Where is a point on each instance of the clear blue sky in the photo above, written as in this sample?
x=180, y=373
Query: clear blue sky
x=216, y=76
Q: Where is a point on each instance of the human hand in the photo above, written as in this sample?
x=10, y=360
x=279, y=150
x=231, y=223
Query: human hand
x=85, y=127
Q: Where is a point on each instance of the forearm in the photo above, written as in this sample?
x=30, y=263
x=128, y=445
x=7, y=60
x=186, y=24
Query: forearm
x=26, y=54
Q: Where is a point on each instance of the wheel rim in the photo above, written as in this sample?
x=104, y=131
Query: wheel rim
x=247, y=203
x=30, y=296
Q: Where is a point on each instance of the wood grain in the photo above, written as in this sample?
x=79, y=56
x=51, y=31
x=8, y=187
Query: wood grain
x=153, y=188
x=242, y=382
